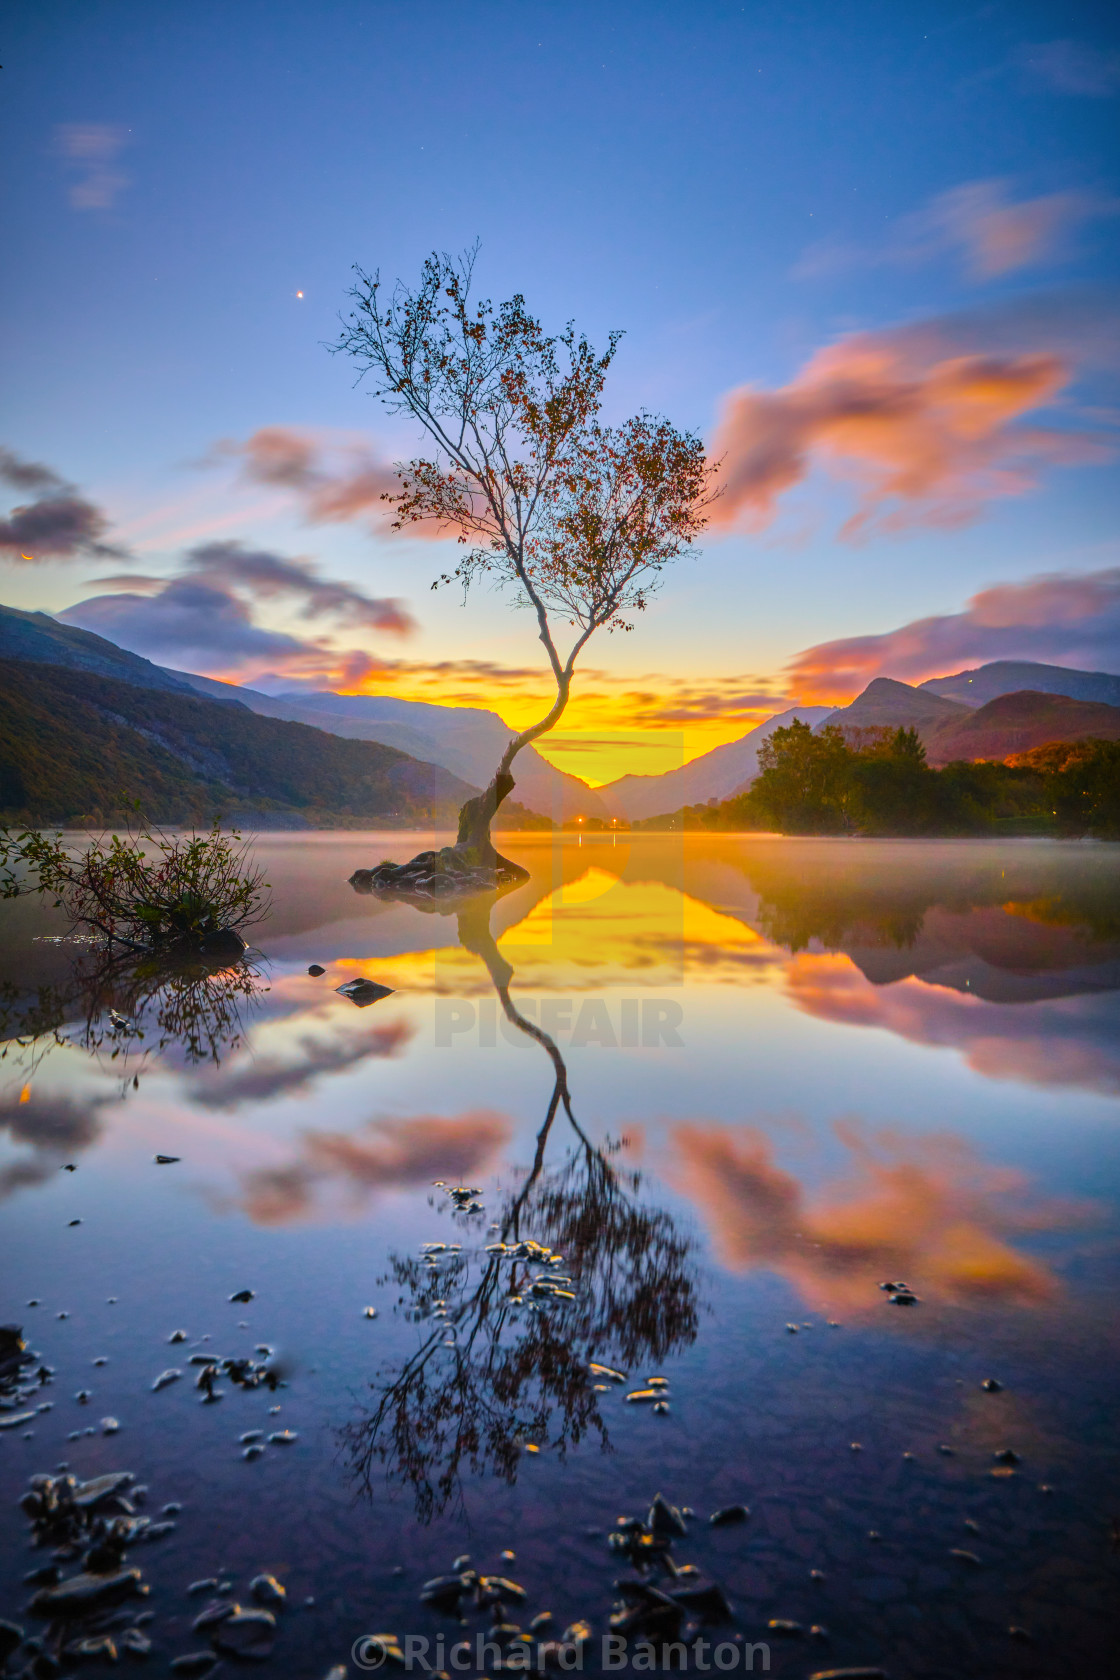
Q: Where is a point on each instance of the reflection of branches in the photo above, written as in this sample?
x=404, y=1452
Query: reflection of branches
x=125, y=1011
x=579, y=1268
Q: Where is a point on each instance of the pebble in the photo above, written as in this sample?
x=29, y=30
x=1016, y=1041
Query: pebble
x=15, y=1421
x=136, y=1643
x=991, y=1385
x=1007, y=1455
x=207, y=1585
x=165, y=1379
x=177, y=1336
x=785, y=1629
x=729, y=1514
x=964, y=1557
x=607, y=1372
x=194, y=1662
x=370, y=1312
x=251, y=1435
x=213, y=1613
x=242, y=1295
x=849, y=1674
x=246, y=1633
x=96, y=1648
x=316, y=969
x=266, y=1589
x=110, y=1426
x=167, y=1160
x=643, y=1396
x=86, y=1592
x=284, y=1437
x=252, y=1452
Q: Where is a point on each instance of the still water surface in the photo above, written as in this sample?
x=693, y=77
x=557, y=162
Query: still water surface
x=795, y=1070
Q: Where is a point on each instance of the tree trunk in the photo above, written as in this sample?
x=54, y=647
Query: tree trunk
x=473, y=838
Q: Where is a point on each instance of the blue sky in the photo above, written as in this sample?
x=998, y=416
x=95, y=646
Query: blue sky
x=740, y=187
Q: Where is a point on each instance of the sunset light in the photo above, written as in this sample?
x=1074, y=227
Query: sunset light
x=560, y=839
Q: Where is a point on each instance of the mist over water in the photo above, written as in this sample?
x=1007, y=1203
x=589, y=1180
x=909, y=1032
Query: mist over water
x=702, y=1096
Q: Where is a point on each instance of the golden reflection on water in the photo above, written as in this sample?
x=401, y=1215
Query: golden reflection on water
x=1009, y=957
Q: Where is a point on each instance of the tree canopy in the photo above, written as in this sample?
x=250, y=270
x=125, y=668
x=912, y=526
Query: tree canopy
x=579, y=519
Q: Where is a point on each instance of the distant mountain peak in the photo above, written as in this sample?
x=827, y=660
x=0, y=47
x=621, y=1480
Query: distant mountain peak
x=1012, y=676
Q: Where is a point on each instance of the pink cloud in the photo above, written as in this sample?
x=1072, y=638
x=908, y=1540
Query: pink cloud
x=978, y=222
x=334, y=479
x=924, y=1209
x=924, y=433
x=1064, y=619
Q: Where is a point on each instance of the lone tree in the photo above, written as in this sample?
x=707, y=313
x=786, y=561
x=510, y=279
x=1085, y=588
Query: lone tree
x=579, y=519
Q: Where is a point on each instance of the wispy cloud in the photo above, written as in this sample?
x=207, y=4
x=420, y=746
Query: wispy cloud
x=1057, y=618
x=90, y=152
x=333, y=476
x=979, y=223
x=202, y=619
x=382, y=1156
x=924, y=422
x=265, y=1078
x=51, y=1128
x=58, y=524
x=1072, y=67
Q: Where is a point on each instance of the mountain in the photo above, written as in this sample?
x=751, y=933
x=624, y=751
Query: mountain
x=715, y=775
x=35, y=635
x=890, y=704
x=1015, y=723
x=1012, y=676
x=75, y=744
x=466, y=740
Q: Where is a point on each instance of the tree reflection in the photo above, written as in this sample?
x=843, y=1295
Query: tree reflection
x=125, y=1013
x=577, y=1268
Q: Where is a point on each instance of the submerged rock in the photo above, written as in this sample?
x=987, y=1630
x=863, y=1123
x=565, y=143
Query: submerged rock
x=247, y=1634
x=729, y=1514
x=266, y=1589
x=194, y=1662
x=86, y=1592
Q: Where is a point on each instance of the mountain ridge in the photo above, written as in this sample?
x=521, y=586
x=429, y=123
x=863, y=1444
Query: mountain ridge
x=76, y=745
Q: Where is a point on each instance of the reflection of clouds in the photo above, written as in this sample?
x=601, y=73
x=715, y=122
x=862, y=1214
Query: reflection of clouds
x=1063, y=1042
x=267, y=1077
x=51, y=1127
x=923, y=1209
x=382, y=1155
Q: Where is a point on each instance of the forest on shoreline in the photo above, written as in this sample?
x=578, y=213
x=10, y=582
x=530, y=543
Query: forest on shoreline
x=876, y=782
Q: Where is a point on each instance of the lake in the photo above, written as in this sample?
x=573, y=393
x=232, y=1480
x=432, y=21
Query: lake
x=678, y=1108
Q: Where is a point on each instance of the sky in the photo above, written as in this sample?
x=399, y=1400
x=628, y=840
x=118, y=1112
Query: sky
x=867, y=252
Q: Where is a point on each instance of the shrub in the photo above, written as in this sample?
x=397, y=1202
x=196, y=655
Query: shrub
x=146, y=889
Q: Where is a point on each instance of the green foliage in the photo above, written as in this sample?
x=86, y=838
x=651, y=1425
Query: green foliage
x=69, y=739
x=823, y=784
x=146, y=890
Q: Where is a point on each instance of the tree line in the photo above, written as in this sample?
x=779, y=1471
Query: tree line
x=877, y=782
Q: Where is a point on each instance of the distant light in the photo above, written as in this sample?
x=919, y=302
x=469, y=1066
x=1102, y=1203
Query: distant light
x=299, y=294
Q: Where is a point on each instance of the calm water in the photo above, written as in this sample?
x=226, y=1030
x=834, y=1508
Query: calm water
x=797, y=1070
